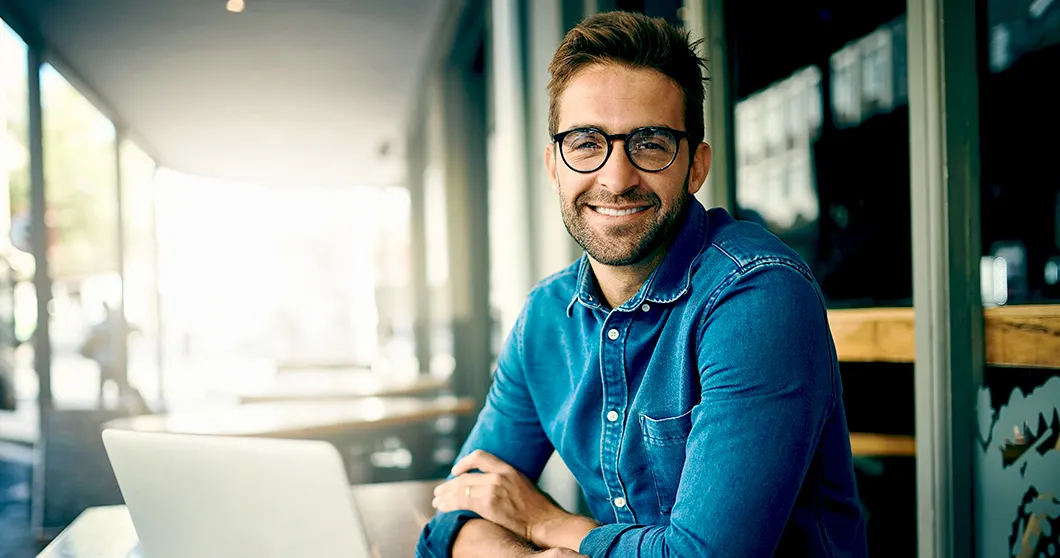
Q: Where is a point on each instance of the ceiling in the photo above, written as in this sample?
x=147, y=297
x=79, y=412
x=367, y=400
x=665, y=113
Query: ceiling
x=291, y=92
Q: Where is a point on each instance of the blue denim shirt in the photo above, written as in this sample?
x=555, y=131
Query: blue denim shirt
x=703, y=417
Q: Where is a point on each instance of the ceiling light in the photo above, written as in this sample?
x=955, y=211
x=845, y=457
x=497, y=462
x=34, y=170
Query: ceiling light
x=235, y=6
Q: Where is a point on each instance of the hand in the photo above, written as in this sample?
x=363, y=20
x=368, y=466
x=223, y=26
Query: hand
x=499, y=494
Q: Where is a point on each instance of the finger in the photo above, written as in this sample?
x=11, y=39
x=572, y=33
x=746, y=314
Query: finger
x=456, y=496
x=483, y=461
x=451, y=495
x=446, y=486
x=444, y=502
x=459, y=483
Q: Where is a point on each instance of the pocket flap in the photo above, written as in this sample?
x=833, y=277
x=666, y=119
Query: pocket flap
x=666, y=430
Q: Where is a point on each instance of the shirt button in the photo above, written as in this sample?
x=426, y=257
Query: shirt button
x=612, y=334
x=620, y=502
x=612, y=416
x=645, y=307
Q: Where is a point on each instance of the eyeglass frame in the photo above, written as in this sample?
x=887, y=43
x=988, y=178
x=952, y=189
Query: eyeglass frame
x=610, y=138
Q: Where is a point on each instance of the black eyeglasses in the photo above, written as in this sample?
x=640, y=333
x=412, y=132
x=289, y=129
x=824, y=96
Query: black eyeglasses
x=650, y=149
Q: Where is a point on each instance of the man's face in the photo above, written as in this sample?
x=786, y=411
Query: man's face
x=616, y=100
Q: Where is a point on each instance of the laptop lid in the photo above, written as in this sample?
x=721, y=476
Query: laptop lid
x=214, y=497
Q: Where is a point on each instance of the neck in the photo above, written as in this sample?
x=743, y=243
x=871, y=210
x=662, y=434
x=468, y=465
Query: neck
x=619, y=283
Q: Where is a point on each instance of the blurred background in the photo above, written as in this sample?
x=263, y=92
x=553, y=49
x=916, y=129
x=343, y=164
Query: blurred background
x=320, y=218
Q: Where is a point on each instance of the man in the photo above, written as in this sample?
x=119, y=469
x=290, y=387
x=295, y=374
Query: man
x=682, y=368
x=99, y=345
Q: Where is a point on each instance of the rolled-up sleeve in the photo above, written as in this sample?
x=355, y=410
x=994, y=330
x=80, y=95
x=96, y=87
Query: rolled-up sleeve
x=438, y=535
x=766, y=366
x=508, y=427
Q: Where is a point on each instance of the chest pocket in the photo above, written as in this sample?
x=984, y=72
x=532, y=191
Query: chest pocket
x=664, y=441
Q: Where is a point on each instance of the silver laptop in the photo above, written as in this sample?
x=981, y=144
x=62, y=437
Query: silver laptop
x=221, y=497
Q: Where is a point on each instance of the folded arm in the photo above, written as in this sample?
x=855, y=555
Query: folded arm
x=484, y=539
x=508, y=427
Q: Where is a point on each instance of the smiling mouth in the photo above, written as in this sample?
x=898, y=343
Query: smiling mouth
x=612, y=212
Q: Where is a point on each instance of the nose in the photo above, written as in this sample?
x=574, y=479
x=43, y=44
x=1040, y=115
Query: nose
x=618, y=174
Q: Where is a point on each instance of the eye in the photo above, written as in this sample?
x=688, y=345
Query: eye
x=652, y=140
x=583, y=141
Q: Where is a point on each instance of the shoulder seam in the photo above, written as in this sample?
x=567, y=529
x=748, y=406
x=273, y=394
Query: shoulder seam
x=726, y=252
x=762, y=260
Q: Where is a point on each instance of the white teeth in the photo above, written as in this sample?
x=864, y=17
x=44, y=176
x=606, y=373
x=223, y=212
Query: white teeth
x=618, y=212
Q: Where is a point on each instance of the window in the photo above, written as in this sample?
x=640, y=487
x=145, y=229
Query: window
x=80, y=165
x=1017, y=450
x=140, y=287
x=17, y=299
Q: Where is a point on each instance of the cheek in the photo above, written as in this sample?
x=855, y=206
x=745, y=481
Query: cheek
x=670, y=188
x=572, y=185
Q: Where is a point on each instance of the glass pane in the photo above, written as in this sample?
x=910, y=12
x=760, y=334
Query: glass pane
x=81, y=196
x=1021, y=184
x=1018, y=455
x=220, y=285
x=17, y=299
x=393, y=284
x=440, y=314
x=140, y=288
x=18, y=381
x=822, y=144
x=254, y=279
x=822, y=156
x=1018, y=445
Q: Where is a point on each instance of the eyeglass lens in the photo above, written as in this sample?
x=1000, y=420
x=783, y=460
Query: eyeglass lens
x=650, y=149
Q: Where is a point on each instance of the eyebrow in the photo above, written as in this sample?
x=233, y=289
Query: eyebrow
x=605, y=130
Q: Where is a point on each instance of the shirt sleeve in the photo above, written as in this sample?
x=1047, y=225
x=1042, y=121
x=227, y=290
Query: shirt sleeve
x=508, y=427
x=767, y=375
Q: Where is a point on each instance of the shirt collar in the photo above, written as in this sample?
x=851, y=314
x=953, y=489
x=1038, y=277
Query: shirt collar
x=669, y=281
x=585, y=291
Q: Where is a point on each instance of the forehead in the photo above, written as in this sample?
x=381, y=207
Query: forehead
x=618, y=98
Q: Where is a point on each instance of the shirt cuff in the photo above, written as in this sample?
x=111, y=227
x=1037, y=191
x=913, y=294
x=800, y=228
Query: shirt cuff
x=599, y=541
x=436, y=540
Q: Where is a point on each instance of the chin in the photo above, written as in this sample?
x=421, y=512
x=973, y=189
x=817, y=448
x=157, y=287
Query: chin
x=620, y=258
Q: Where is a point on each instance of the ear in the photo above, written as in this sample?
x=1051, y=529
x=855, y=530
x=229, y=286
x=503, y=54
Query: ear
x=700, y=167
x=550, y=165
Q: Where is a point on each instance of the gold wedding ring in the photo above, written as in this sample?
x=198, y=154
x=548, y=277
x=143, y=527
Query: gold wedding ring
x=467, y=491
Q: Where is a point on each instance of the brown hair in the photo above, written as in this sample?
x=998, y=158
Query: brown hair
x=637, y=41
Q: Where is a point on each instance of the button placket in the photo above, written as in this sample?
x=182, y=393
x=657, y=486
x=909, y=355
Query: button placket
x=613, y=372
